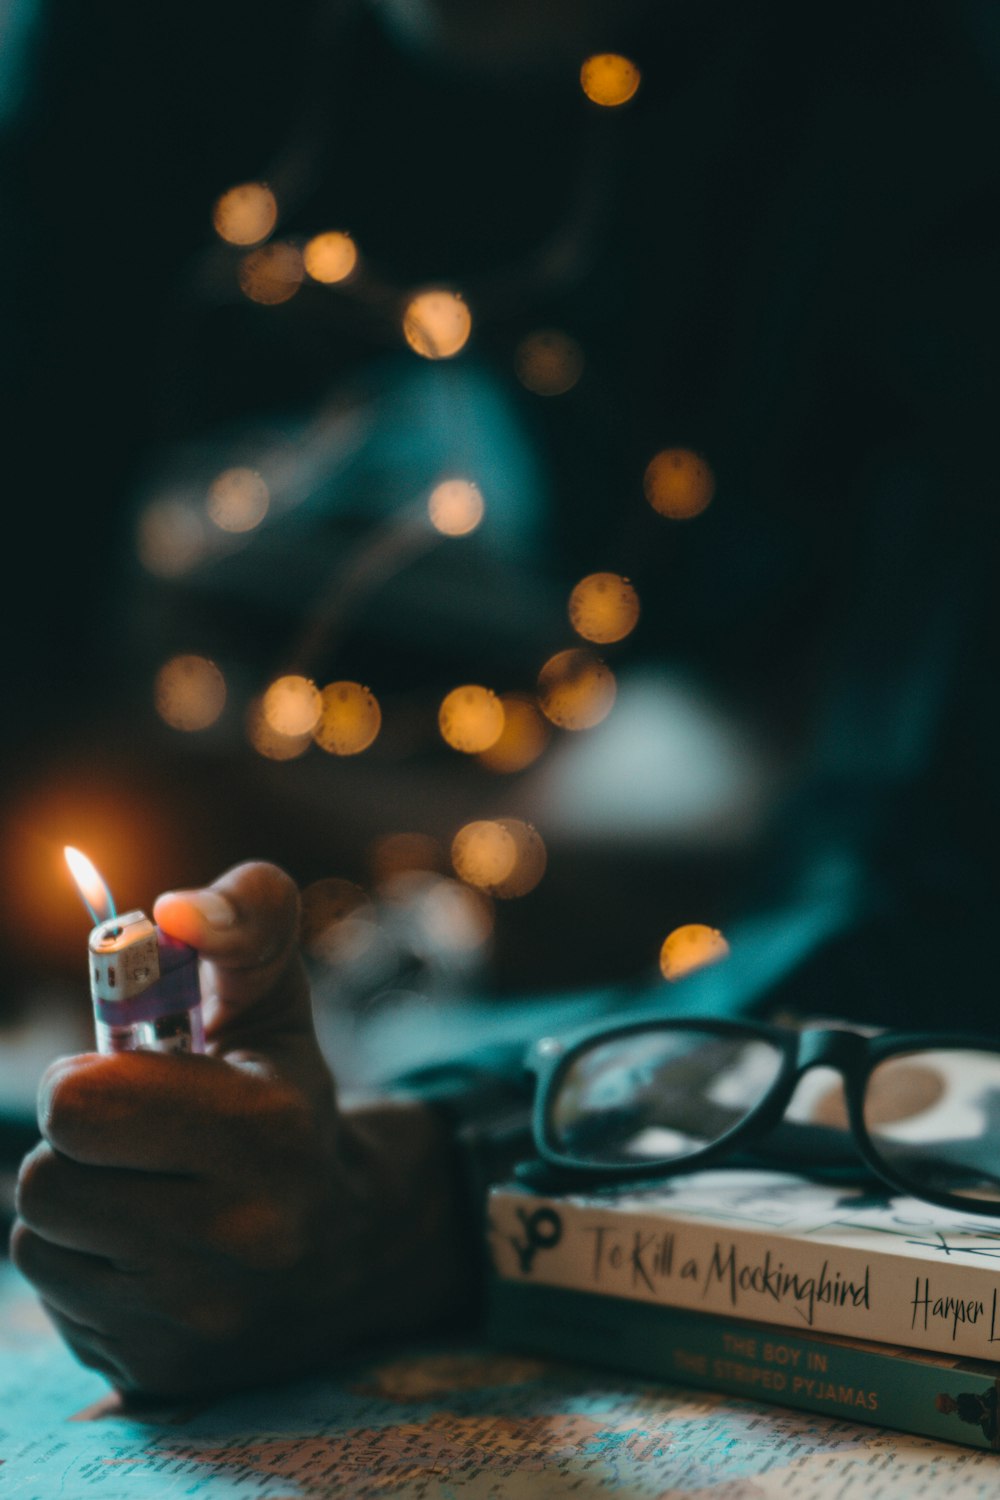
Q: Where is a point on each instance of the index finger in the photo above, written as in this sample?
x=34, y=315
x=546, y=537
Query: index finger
x=182, y=1114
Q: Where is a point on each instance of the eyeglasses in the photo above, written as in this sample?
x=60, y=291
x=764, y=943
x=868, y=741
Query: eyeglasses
x=655, y=1098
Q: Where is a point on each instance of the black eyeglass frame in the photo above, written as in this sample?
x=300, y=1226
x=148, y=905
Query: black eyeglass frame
x=852, y=1052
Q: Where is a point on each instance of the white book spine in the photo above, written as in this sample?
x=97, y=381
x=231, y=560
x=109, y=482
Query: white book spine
x=881, y=1290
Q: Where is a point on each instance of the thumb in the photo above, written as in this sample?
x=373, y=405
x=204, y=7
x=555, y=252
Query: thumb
x=246, y=925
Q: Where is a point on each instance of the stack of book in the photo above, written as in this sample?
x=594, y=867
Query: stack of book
x=830, y=1299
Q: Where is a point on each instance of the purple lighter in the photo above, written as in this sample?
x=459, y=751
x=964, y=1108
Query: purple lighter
x=144, y=985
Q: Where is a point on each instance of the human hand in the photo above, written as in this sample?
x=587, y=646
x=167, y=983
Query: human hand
x=196, y=1223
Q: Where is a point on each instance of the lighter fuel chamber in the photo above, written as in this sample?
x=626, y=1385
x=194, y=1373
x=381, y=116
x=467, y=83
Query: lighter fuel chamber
x=145, y=989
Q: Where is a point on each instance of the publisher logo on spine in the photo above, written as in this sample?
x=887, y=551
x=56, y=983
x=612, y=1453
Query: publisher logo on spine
x=542, y=1231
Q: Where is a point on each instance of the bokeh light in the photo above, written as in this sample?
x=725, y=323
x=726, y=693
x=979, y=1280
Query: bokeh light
x=609, y=79
x=678, y=483
x=455, y=917
x=455, y=507
x=442, y=917
x=693, y=946
x=189, y=692
x=292, y=705
x=503, y=856
x=330, y=257
x=246, y=214
x=548, y=363
x=271, y=275
x=471, y=719
x=484, y=854
x=529, y=861
x=349, y=719
x=575, y=689
x=603, y=607
x=267, y=741
x=237, y=500
x=101, y=813
x=337, y=922
x=400, y=853
x=170, y=538
x=437, y=324
x=525, y=735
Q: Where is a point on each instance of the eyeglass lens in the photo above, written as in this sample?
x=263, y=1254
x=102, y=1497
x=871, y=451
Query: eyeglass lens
x=934, y=1119
x=657, y=1096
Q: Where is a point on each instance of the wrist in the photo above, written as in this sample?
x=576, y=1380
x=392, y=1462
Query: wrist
x=420, y=1252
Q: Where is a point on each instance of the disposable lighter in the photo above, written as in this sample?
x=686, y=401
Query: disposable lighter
x=143, y=983
x=144, y=986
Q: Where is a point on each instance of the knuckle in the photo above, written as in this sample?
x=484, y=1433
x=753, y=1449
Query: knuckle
x=270, y=897
x=275, y=884
x=259, y=1234
x=22, y=1247
x=62, y=1102
x=36, y=1182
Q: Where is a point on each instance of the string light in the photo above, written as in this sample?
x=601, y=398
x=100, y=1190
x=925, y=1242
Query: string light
x=548, y=363
x=267, y=741
x=189, y=692
x=609, y=79
x=693, y=946
x=524, y=736
x=337, y=921
x=292, y=705
x=399, y=853
x=575, y=689
x=349, y=719
x=456, y=918
x=437, y=324
x=237, y=500
x=471, y=719
x=455, y=507
x=483, y=854
x=603, y=607
x=170, y=538
x=330, y=257
x=246, y=214
x=678, y=483
x=530, y=860
x=271, y=275
x=502, y=856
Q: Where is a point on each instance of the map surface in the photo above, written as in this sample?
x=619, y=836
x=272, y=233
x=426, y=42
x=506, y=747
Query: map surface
x=448, y=1421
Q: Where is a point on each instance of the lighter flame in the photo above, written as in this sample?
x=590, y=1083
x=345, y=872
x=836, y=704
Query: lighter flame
x=96, y=896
